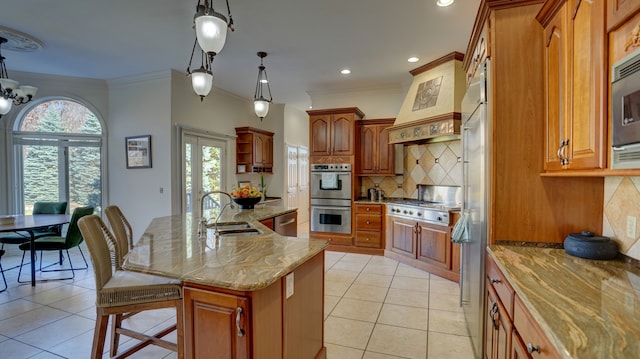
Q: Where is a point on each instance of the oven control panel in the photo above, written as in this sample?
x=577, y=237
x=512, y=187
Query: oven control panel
x=331, y=167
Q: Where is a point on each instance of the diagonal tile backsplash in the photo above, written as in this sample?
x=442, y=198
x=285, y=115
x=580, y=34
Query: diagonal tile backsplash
x=622, y=207
x=434, y=163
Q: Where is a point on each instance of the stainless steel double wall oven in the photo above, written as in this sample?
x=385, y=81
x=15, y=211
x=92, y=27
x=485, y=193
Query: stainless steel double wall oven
x=331, y=198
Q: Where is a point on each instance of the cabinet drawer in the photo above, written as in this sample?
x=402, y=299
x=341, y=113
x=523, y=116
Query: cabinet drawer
x=500, y=285
x=532, y=336
x=368, y=208
x=343, y=241
x=368, y=222
x=368, y=239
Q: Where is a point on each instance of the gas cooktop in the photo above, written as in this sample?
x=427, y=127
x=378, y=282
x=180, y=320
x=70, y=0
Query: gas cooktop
x=426, y=204
x=433, y=212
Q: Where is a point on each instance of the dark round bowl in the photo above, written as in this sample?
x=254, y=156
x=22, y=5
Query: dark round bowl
x=247, y=202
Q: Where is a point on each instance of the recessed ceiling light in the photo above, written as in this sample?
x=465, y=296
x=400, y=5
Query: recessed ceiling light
x=444, y=2
x=345, y=71
x=413, y=59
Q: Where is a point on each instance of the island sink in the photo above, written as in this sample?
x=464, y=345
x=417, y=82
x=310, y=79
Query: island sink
x=236, y=229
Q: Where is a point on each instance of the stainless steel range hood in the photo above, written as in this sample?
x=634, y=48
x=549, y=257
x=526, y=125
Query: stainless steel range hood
x=431, y=110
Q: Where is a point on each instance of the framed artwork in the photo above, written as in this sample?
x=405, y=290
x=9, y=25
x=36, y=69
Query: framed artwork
x=138, y=150
x=243, y=183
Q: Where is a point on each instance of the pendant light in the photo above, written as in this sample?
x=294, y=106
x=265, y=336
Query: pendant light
x=202, y=78
x=211, y=27
x=260, y=103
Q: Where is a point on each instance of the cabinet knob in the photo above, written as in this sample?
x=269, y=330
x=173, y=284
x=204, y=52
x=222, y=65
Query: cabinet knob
x=368, y=222
x=368, y=209
x=531, y=348
x=494, y=281
x=366, y=239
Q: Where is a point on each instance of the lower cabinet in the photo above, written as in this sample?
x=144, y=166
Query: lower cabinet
x=498, y=327
x=216, y=325
x=510, y=330
x=423, y=245
x=369, y=219
x=285, y=224
x=263, y=324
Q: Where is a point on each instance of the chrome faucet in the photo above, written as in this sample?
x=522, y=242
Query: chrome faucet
x=203, y=220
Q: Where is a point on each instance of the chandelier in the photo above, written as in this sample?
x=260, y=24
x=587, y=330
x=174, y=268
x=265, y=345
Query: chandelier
x=260, y=103
x=10, y=91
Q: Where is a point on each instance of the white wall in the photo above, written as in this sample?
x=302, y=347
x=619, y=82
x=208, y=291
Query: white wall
x=379, y=102
x=140, y=105
x=90, y=92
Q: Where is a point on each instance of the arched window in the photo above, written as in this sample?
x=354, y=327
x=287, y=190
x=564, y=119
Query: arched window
x=58, y=155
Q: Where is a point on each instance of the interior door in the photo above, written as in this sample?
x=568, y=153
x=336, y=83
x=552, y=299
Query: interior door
x=203, y=171
x=292, y=176
x=303, y=187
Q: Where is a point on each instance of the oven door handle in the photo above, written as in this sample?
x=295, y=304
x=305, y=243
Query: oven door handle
x=332, y=208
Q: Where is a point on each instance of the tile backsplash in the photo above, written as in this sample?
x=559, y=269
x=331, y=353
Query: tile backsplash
x=622, y=207
x=434, y=163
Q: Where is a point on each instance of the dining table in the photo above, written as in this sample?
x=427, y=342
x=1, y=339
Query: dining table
x=30, y=223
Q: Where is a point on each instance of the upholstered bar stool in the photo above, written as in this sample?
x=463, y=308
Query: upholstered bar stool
x=120, y=292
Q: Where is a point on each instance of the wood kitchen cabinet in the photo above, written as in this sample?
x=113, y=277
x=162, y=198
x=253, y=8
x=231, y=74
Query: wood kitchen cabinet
x=375, y=156
x=575, y=83
x=216, y=325
x=369, y=224
x=510, y=330
x=332, y=131
x=423, y=245
x=261, y=324
x=254, y=150
x=498, y=327
x=284, y=224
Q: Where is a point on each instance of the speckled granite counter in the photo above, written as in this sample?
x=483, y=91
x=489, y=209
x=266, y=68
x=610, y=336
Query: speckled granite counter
x=170, y=247
x=587, y=308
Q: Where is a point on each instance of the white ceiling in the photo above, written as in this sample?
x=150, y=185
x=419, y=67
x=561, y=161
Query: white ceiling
x=308, y=41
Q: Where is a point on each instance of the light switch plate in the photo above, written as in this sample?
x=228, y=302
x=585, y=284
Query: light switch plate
x=289, y=285
x=631, y=227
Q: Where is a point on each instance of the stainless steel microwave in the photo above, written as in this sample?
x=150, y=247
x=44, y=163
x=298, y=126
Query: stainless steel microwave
x=625, y=112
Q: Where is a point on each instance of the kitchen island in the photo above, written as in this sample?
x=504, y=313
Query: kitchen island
x=585, y=308
x=258, y=296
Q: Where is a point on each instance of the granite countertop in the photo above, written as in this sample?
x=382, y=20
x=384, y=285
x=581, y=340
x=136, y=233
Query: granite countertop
x=587, y=308
x=170, y=247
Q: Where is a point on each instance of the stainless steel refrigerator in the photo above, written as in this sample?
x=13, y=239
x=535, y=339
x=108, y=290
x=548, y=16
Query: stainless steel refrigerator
x=476, y=144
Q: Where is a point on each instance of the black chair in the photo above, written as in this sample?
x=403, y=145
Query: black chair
x=2, y=272
x=59, y=243
x=38, y=208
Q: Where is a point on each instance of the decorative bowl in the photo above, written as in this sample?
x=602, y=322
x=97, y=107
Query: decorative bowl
x=246, y=202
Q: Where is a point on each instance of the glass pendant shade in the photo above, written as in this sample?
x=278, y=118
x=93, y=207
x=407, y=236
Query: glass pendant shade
x=5, y=105
x=202, y=81
x=261, y=106
x=29, y=90
x=8, y=84
x=211, y=32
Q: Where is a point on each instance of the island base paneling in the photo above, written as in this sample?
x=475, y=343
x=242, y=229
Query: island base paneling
x=261, y=324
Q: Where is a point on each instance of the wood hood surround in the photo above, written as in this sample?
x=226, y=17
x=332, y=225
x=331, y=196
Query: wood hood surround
x=431, y=110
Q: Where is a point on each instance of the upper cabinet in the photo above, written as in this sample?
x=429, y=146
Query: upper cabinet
x=332, y=132
x=575, y=84
x=375, y=155
x=254, y=150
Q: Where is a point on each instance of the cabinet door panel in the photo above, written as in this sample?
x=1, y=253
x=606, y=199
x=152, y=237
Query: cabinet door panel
x=435, y=246
x=403, y=238
x=367, y=149
x=342, y=134
x=320, y=141
x=587, y=118
x=385, y=151
x=210, y=325
x=556, y=95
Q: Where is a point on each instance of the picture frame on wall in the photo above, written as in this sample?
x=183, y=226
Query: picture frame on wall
x=243, y=183
x=138, y=150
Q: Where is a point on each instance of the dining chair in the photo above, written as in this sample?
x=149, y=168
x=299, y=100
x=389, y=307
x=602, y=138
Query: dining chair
x=2, y=271
x=72, y=239
x=122, y=231
x=38, y=208
x=119, y=292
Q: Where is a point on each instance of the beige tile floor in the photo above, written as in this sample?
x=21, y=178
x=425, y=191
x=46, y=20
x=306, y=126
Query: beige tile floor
x=375, y=308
